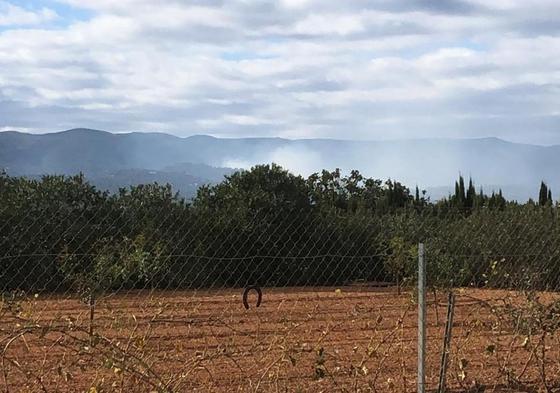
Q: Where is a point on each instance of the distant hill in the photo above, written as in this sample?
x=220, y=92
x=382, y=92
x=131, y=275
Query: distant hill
x=185, y=184
x=185, y=178
x=203, y=171
x=433, y=164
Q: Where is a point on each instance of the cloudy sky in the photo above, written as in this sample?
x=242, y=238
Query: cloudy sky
x=352, y=69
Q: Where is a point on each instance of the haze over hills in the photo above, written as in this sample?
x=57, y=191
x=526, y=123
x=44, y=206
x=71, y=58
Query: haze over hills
x=113, y=160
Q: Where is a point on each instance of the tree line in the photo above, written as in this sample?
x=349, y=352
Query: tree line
x=270, y=227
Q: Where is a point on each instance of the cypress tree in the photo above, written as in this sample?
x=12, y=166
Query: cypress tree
x=501, y=200
x=462, y=190
x=481, y=198
x=543, y=194
x=471, y=194
x=492, y=201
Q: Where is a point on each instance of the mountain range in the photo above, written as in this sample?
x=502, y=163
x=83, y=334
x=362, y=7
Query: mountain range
x=112, y=160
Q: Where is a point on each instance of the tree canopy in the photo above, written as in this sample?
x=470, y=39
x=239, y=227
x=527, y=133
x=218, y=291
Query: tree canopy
x=265, y=225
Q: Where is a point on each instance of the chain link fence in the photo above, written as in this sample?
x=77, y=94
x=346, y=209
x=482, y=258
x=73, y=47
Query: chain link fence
x=146, y=294
x=500, y=269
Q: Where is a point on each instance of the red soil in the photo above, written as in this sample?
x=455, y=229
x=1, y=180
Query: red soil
x=299, y=340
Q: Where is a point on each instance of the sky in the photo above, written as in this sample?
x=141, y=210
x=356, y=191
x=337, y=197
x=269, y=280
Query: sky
x=353, y=69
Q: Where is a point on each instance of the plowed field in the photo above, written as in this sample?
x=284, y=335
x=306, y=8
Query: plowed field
x=298, y=340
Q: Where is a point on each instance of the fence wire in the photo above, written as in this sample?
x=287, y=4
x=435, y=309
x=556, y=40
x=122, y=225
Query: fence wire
x=140, y=294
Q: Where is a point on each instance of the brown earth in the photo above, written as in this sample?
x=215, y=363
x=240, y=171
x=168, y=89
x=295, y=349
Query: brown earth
x=298, y=340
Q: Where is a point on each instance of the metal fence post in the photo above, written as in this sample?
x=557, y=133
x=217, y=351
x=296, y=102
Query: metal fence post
x=421, y=318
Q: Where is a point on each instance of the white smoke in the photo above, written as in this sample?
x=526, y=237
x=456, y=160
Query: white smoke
x=297, y=159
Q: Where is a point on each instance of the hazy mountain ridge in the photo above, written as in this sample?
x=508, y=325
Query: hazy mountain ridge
x=430, y=163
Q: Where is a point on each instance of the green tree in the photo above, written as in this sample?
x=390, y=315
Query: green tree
x=459, y=199
x=400, y=261
x=397, y=196
x=263, y=187
x=544, y=194
x=470, y=198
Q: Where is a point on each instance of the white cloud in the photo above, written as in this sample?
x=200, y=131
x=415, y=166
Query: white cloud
x=11, y=15
x=330, y=23
x=353, y=69
x=296, y=4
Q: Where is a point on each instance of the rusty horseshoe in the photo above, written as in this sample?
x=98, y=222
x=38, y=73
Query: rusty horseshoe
x=246, y=294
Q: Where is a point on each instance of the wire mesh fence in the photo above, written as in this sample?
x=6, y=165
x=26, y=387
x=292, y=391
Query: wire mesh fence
x=142, y=293
x=501, y=268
